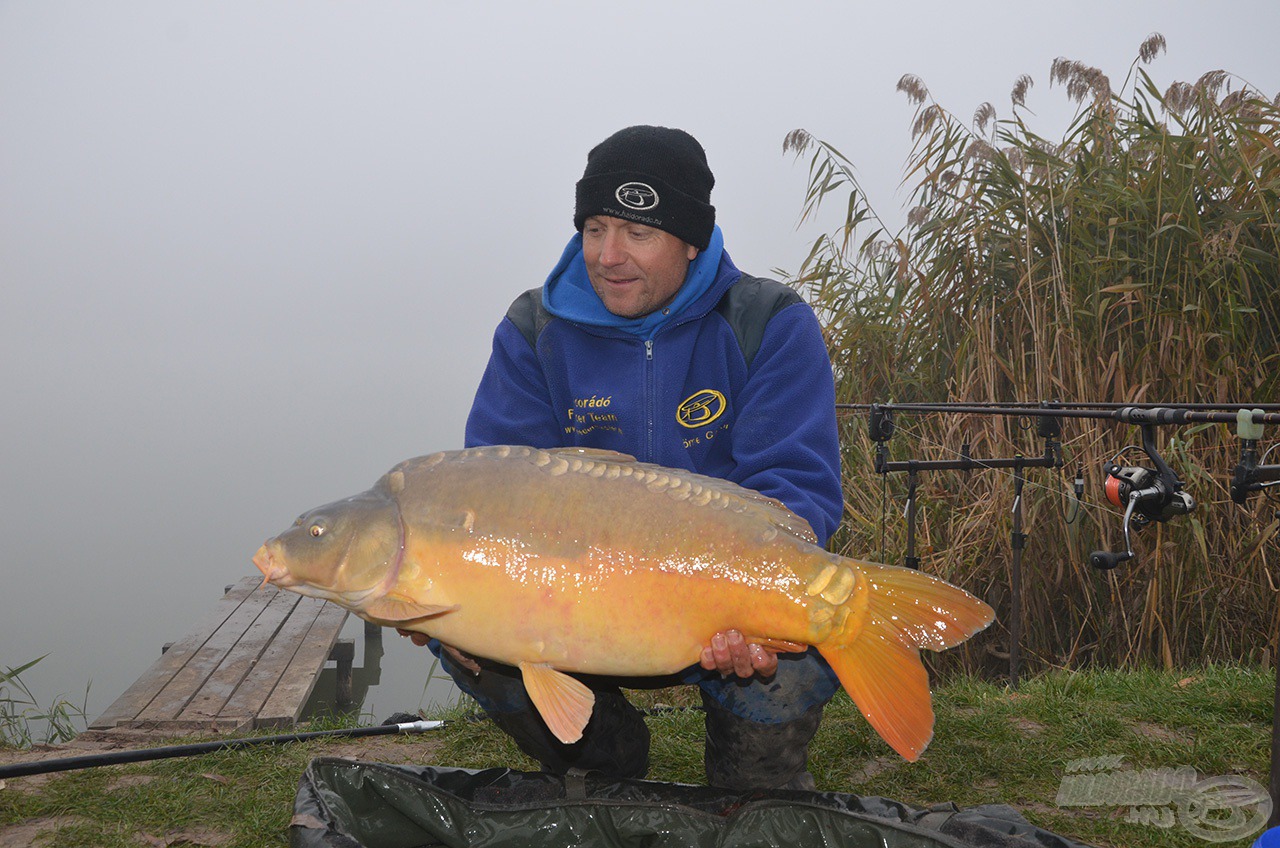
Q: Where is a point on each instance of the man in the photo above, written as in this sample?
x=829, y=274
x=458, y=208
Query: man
x=646, y=339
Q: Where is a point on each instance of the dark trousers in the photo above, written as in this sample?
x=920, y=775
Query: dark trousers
x=742, y=752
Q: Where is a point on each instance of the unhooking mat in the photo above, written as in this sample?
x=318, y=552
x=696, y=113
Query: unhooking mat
x=350, y=804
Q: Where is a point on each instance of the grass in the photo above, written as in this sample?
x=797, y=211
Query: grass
x=22, y=720
x=991, y=746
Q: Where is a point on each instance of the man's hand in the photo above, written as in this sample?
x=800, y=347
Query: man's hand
x=459, y=659
x=730, y=653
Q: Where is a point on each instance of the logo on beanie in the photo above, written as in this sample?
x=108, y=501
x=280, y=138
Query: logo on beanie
x=638, y=196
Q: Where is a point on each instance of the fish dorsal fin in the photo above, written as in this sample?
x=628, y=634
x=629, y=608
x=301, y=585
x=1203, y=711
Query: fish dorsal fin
x=742, y=499
x=564, y=703
x=698, y=489
x=777, y=513
x=399, y=608
x=594, y=453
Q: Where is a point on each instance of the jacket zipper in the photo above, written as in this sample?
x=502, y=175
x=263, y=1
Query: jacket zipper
x=649, y=401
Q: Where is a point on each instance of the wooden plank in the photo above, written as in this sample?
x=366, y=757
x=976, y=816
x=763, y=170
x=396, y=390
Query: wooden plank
x=213, y=694
x=145, y=688
x=262, y=679
x=242, y=724
x=173, y=698
x=286, y=703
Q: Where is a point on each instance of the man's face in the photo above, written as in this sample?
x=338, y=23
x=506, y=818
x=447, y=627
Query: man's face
x=634, y=269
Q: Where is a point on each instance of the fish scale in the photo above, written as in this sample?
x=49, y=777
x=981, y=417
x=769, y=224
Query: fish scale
x=586, y=561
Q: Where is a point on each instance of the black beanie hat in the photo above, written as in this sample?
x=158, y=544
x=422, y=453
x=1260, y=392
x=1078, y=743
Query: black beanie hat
x=651, y=175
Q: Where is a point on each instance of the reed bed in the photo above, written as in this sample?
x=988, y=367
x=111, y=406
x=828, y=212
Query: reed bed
x=1137, y=260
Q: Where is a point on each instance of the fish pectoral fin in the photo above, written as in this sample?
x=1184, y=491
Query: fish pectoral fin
x=781, y=646
x=563, y=702
x=890, y=685
x=398, y=608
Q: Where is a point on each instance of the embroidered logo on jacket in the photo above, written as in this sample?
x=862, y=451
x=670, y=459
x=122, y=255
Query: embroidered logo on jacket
x=589, y=414
x=701, y=408
x=638, y=196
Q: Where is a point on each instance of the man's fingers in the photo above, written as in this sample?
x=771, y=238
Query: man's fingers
x=739, y=654
x=708, y=660
x=461, y=659
x=419, y=639
x=730, y=654
x=764, y=662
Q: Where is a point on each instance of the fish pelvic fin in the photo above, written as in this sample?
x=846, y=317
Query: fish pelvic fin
x=889, y=684
x=398, y=609
x=564, y=703
x=896, y=612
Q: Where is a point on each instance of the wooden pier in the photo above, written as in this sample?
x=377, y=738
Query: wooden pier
x=252, y=663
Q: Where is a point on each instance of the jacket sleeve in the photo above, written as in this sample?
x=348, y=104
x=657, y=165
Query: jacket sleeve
x=785, y=440
x=513, y=404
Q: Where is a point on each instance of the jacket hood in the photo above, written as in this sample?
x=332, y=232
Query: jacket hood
x=567, y=292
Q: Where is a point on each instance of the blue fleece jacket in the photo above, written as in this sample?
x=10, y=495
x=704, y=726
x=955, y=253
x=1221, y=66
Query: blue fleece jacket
x=674, y=389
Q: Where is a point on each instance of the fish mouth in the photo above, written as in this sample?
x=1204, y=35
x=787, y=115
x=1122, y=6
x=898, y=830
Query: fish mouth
x=272, y=571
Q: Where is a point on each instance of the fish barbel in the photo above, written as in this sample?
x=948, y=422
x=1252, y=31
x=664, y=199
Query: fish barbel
x=579, y=560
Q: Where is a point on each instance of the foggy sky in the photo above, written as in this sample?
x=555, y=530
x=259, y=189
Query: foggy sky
x=252, y=253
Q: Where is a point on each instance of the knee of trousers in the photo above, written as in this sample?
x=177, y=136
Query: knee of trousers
x=802, y=682
x=615, y=741
x=742, y=754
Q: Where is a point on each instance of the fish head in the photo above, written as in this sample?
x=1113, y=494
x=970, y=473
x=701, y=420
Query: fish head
x=345, y=552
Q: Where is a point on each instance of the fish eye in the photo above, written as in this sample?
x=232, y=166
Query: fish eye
x=317, y=530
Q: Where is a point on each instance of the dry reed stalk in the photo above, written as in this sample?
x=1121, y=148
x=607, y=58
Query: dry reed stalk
x=1135, y=260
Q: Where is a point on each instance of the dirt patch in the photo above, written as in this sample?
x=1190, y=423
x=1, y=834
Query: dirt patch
x=127, y=781
x=37, y=832
x=175, y=838
x=873, y=768
x=1027, y=727
x=384, y=749
x=1160, y=733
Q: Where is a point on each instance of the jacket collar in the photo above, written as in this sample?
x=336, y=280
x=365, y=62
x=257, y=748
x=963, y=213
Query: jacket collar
x=567, y=292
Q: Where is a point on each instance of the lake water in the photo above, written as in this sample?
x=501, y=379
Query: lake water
x=390, y=674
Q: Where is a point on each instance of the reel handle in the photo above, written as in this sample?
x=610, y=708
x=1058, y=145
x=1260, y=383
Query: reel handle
x=1107, y=560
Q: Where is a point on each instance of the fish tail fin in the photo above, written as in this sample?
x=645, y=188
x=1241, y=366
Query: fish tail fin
x=893, y=613
x=890, y=687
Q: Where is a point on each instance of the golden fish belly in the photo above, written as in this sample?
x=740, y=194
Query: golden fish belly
x=600, y=615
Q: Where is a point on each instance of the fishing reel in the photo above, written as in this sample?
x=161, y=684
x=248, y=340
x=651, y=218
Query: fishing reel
x=1147, y=495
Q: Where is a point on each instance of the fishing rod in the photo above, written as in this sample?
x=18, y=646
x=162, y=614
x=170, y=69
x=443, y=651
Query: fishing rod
x=1024, y=404
x=1130, y=413
x=111, y=758
x=1158, y=490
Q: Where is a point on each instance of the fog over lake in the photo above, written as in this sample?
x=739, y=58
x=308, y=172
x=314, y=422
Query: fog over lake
x=252, y=253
